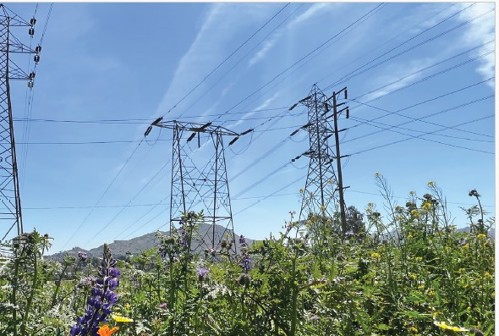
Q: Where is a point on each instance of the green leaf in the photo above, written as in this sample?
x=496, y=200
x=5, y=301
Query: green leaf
x=383, y=326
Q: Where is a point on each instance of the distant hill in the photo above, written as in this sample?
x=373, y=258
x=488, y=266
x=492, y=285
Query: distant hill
x=395, y=234
x=491, y=233
x=120, y=248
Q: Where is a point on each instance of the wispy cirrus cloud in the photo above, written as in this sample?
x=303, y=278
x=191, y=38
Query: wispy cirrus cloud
x=263, y=105
x=400, y=76
x=221, y=28
x=267, y=46
x=478, y=30
x=311, y=12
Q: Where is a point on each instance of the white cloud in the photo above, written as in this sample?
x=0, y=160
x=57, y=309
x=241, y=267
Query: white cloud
x=227, y=89
x=308, y=14
x=222, y=26
x=435, y=13
x=259, y=107
x=312, y=11
x=480, y=30
x=264, y=50
x=400, y=76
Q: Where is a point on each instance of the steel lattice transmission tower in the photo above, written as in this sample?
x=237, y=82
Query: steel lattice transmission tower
x=197, y=186
x=318, y=193
x=10, y=202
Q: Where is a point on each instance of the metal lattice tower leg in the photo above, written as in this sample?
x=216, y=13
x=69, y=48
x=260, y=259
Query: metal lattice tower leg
x=318, y=193
x=10, y=202
x=197, y=186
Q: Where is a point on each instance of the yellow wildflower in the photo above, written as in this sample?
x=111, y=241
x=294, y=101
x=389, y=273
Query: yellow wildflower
x=119, y=318
x=415, y=213
x=426, y=205
x=445, y=326
x=418, y=259
x=375, y=255
x=413, y=329
x=481, y=236
x=466, y=246
x=105, y=331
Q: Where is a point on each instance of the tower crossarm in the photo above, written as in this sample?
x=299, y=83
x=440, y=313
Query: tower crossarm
x=196, y=127
x=14, y=19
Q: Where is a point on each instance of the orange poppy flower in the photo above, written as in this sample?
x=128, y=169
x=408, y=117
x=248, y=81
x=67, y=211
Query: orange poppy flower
x=105, y=331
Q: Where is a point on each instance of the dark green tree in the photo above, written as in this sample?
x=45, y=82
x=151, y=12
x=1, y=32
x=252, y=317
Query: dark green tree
x=355, y=222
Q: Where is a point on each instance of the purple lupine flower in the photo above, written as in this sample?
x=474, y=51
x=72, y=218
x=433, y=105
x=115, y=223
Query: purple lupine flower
x=202, y=272
x=102, y=297
x=246, y=262
x=82, y=256
x=242, y=241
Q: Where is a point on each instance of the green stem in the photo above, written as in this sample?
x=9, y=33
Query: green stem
x=58, y=286
x=172, y=296
x=31, y=296
x=14, y=293
x=482, y=224
x=158, y=275
x=294, y=299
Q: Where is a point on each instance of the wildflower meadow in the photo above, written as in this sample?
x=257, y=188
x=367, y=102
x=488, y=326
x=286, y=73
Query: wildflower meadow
x=409, y=272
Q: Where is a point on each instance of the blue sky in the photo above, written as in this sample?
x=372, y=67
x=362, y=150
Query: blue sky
x=134, y=62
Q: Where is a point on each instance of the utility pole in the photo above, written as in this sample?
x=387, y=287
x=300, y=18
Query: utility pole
x=10, y=201
x=200, y=183
x=338, y=156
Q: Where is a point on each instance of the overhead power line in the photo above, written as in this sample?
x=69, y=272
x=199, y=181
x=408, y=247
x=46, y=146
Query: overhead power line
x=431, y=76
x=219, y=79
x=418, y=104
x=134, y=121
x=360, y=71
x=398, y=80
x=30, y=97
x=288, y=184
x=389, y=127
x=411, y=137
x=115, y=178
x=303, y=58
x=422, y=119
x=226, y=59
x=400, y=33
x=348, y=76
x=275, y=171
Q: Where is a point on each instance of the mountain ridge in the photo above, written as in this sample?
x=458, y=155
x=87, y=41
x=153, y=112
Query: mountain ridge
x=201, y=240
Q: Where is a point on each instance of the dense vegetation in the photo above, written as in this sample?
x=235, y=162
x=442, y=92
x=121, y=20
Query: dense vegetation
x=411, y=273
